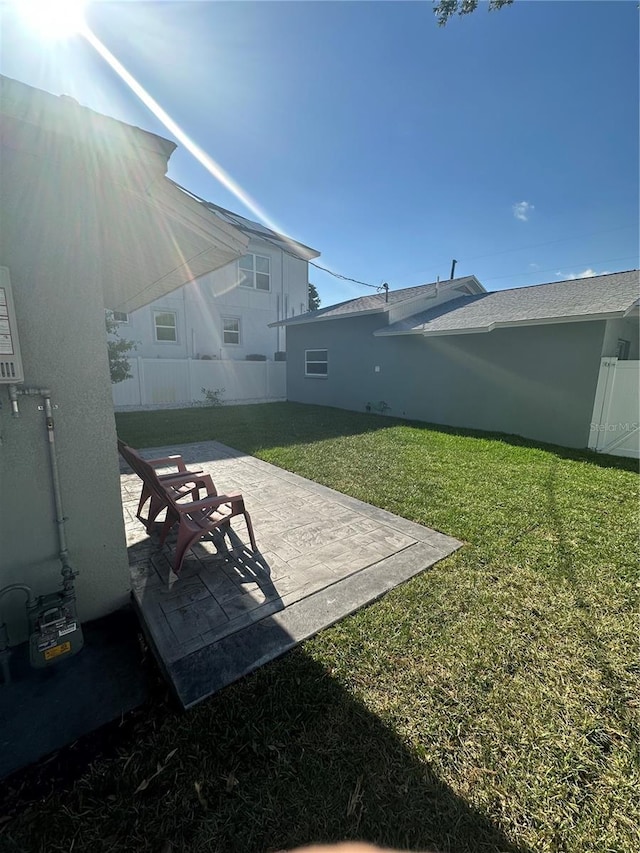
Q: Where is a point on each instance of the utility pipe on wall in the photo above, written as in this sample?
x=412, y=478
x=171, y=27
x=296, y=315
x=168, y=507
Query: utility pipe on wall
x=68, y=573
x=54, y=629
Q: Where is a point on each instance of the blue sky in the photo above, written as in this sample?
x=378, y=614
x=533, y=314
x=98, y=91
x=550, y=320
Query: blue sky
x=508, y=141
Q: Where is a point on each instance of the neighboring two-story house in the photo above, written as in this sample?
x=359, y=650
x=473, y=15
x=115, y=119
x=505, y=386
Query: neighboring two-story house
x=226, y=314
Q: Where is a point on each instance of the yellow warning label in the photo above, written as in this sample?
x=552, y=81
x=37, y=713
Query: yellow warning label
x=56, y=651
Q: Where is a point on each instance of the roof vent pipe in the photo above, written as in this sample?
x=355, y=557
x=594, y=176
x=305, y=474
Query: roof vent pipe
x=453, y=267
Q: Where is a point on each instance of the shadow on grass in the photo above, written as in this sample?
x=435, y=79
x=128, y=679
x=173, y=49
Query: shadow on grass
x=322, y=767
x=285, y=757
x=269, y=425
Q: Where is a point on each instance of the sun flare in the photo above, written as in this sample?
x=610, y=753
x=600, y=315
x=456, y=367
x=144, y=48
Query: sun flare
x=53, y=19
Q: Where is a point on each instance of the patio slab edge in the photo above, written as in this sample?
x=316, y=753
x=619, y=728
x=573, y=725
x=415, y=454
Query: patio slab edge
x=201, y=674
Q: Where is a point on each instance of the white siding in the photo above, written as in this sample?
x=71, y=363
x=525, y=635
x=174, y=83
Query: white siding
x=201, y=305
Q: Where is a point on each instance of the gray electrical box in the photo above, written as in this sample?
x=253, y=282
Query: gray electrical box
x=11, y=371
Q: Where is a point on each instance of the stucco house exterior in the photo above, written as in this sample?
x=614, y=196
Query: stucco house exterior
x=88, y=221
x=525, y=361
x=226, y=314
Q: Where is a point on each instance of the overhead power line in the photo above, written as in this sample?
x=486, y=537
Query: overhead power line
x=279, y=245
x=550, y=242
x=550, y=269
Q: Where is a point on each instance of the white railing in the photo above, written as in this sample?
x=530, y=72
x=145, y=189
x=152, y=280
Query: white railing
x=162, y=382
x=615, y=423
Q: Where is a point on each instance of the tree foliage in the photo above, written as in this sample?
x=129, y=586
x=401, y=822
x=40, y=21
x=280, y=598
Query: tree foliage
x=445, y=9
x=314, y=297
x=118, y=349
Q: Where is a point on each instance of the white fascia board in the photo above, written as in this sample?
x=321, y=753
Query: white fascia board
x=385, y=333
x=548, y=321
x=474, y=285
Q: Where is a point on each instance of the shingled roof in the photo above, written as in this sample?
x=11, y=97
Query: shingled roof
x=378, y=303
x=600, y=297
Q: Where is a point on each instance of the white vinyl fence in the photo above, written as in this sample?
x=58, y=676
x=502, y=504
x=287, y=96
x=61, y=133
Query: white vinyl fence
x=162, y=382
x=615, y=425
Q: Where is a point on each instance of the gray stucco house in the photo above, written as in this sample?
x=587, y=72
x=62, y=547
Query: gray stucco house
x=524, y=361
x=88, y=221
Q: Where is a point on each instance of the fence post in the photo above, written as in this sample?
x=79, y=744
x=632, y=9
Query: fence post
x=189, y=382
x=602, y=403
x=141, y=386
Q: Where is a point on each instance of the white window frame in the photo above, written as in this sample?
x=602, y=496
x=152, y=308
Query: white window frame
x=252, y=273
x=232, y=331
x=118, y=319
x=158, y=340
x=324, y=360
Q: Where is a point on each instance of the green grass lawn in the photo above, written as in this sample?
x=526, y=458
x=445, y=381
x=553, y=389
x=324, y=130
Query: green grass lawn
x=489, y=704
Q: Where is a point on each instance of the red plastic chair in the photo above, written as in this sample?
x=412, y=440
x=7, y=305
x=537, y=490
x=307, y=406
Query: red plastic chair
x=182, y=481
x=197, y=519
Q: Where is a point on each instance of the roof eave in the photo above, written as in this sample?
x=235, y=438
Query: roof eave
x=543, y=321
x=303, y=319
x=284, y=243
x=212, y=244
x=385, y=307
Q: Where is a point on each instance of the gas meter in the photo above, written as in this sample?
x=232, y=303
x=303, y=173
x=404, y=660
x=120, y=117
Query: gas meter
x=54, y=630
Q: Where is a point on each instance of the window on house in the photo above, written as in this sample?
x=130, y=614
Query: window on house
x=255, y=272
x=623, y=349
x=165, y=326
x=121, y=316
x=230, y=330
x=316, y=362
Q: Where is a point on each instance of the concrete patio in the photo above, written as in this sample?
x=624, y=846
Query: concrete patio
x=322, y=555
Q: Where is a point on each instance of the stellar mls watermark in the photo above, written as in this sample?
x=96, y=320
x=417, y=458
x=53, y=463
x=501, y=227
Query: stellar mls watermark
x=621, y=426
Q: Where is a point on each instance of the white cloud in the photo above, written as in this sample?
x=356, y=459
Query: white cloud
x=522, y=209
x=588, y=273
x=534, y=266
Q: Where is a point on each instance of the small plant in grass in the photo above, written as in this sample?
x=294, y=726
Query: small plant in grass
x=212, y=398
x=381, y=408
